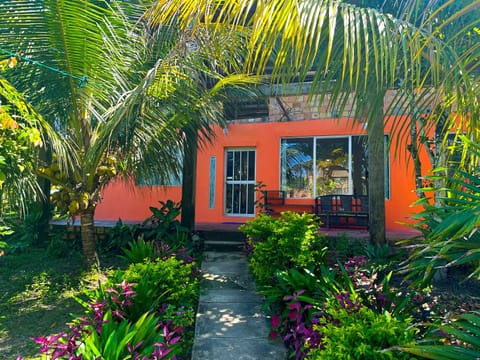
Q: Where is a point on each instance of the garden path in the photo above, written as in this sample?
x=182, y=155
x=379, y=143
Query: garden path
x=230, y=324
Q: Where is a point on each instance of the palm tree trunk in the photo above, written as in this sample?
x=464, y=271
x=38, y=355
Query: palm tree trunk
x=417, y=164
x=89, y=245
x=189, y=181
x=376, y=169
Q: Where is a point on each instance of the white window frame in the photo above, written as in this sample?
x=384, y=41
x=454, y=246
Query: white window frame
x=239, y=182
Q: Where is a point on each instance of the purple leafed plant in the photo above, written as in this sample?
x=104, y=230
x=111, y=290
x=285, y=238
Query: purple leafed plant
x=295, y=324
x=99, y=314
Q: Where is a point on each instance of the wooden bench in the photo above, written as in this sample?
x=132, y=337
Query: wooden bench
x=342, y=210
x=274, y=203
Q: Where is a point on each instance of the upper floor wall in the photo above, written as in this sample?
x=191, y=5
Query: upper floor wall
x=292, y=103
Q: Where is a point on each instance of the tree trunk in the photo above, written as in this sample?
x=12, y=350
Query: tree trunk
x=417, y=164
x=376, y=169
x=358, y=153
x=189, y=177
x=89, y=244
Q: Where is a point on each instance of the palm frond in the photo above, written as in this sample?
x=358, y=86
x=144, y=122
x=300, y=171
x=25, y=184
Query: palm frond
x=461, y=340
x=349, y=49
x=450, y=228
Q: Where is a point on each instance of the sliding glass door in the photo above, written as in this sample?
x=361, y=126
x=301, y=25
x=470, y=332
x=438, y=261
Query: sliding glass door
x=314, y=166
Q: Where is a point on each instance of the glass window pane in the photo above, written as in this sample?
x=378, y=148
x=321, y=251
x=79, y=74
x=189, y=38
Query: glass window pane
x=242, y=200
x=244, y=165
x=237, y=198
x=251, y=199
x=332, y=159
x=236, y=165
x=251, y=165
x=229, y=174
x=229, y=199
x=297, y=167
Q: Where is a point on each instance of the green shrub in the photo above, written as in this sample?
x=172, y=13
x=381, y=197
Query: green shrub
x=4, y=231
x=179, y=316
x=158, y=282
x=259, y=228
x=125, y=340
x=342, y=247
x=168, y=288
x=118, y=237
x=291, y=241
x=352, y=332
x=105, y=333
x=60, y=246
x=26, y=229
x=165, y=230
x=163, y=224
x=139, y=250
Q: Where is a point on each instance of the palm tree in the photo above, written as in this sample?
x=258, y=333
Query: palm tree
x=351, y=51
x=118, y=95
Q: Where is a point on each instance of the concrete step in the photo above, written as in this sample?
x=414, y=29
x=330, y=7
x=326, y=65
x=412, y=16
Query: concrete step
x=223, y=241
x=222, y=246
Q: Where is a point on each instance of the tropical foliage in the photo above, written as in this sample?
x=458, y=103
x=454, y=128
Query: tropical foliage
x=459, y=339
x=347, y=51
x=119, y=93
x=20, y=142
x=143, y=311
x=360, y=334
x=292, y=240
x=125, y=87
x=358, y=308
x=349, y=48
x=22, y=134
x=449, y=228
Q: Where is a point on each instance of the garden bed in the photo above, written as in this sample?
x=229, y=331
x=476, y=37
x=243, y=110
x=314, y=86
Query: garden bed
x=37, y=297
x=346, y=299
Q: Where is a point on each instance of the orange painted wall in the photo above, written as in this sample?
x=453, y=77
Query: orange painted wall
x=120, y=201
x=123, y=200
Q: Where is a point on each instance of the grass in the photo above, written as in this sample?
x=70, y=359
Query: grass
x=36, y=298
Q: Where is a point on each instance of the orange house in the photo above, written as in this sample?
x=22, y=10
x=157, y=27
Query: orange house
x=289, y=143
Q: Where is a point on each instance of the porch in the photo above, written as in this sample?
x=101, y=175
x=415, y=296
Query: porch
x=392, y=235
x=102, y=227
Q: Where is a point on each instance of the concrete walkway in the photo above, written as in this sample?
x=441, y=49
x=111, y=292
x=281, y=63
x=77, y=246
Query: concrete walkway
x=230, y=324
